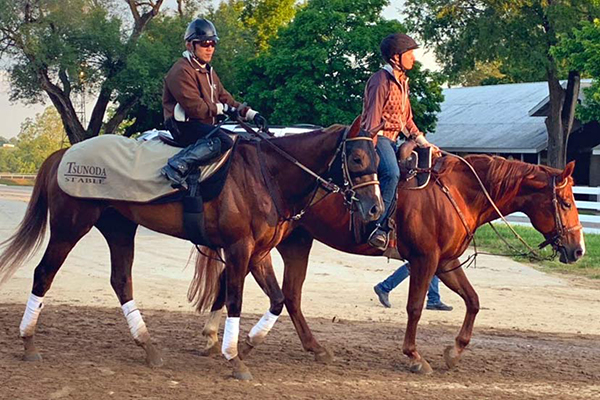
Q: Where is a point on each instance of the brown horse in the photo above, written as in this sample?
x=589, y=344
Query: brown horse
x=250, y=216
x=431, y=236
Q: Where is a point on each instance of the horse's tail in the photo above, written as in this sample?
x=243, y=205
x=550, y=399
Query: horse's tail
x=204, y=288
x=30, y=233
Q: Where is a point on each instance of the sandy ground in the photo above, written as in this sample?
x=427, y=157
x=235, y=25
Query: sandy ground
x=535, y=336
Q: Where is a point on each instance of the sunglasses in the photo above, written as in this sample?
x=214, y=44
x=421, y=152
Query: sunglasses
x=206, y=43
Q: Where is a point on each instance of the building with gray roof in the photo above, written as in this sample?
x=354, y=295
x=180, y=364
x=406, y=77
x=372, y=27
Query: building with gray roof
x=509, y=120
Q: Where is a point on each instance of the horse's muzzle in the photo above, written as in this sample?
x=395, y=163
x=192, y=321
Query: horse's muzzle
x=570, y=255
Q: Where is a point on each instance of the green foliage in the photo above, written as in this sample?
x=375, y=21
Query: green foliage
x=76, y=37
x=245, y=28
x=236, y=46
x=162, y=44
x=516, y=33
x=156, y=51
x=63, y=48
x=316, y=69
x=38, y=139
x=582, y=52
x=264, y=18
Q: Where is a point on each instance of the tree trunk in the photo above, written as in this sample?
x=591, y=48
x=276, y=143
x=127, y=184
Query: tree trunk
x=561, y=116
x=64, y=106
x=120, y=113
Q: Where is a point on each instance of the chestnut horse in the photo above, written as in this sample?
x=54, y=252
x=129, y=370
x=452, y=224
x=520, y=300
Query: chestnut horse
x=431, y=236
x=249, y=217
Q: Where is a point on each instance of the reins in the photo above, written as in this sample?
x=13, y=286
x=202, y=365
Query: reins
x=348, y=190
x=532, y=254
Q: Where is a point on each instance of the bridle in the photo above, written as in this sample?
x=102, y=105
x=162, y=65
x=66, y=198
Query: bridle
x=556, y=240
x=348, y=188
x=561, y=231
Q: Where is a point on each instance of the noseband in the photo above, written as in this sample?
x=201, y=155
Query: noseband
x=561, y=231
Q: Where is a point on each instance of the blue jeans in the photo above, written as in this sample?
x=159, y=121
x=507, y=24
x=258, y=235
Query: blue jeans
x=388, y=174
x=433, y=295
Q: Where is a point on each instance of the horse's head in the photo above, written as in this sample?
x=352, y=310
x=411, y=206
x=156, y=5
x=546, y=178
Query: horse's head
x=553, y=212
x=358, y=173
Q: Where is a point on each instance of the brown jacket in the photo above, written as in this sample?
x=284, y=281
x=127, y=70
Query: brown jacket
x=197, y=89
x=377, y=103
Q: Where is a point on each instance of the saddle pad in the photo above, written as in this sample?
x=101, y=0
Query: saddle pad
x=118, y=168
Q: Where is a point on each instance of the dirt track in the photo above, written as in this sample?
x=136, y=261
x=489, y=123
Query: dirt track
x=536, y=336
x=88, y=355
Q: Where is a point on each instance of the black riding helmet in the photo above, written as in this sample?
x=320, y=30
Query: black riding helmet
x=398, y=43
x=201, y=29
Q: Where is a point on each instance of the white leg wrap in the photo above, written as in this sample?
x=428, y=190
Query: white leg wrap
x=30, y=317
x=230, y=337
x=137, y=327
x=261, y=329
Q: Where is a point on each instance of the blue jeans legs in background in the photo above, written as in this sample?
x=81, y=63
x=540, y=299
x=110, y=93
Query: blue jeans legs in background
x=433, y=294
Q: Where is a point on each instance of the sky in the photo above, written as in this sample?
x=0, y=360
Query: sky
x=12, y=115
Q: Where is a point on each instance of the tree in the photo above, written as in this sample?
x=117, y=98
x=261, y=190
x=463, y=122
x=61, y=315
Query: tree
x=162, y=44
x=316, y=69
x=157, y=50
x=245, y=28
x=264, y=18
x=235, y=47
x=38, y=138
x=582, y=52
x=519, y=34
x=64, y=47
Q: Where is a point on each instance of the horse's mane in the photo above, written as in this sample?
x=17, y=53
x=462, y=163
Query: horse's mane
x=334, y=128
x=499, y=168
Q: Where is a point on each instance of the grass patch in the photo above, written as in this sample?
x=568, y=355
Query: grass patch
x=588, y=266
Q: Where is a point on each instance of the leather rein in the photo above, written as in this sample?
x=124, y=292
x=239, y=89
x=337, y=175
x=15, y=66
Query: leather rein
x=348, y=189
x=555, y=240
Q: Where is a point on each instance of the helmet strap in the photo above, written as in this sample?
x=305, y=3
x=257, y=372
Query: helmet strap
x=398, y=66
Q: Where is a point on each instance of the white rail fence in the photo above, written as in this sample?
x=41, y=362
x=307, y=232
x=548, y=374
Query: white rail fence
x=589, y=211
x=8, y=175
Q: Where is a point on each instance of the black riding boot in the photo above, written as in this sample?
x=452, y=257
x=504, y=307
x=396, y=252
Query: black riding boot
x=179, y=166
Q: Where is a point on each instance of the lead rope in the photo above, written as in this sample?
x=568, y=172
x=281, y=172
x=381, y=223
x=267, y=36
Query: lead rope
x=532, y=253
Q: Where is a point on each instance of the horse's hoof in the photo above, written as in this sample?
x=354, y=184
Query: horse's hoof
x=214, y=350
x=451, y=357
x=420, y=367
x=153, y=357
x=240, y=371
x=155, y=361
x=242, y=375
x=325, y=356
x=32, y=357
x=244, y=349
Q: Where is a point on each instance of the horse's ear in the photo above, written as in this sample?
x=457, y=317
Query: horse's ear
x=354, y=128
x=567, y=172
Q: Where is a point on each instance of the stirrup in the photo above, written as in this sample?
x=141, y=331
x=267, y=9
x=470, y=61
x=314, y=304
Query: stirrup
x=384, y=246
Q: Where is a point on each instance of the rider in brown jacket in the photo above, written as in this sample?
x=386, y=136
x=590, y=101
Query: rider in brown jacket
x=386, y=115
x=194, y=100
